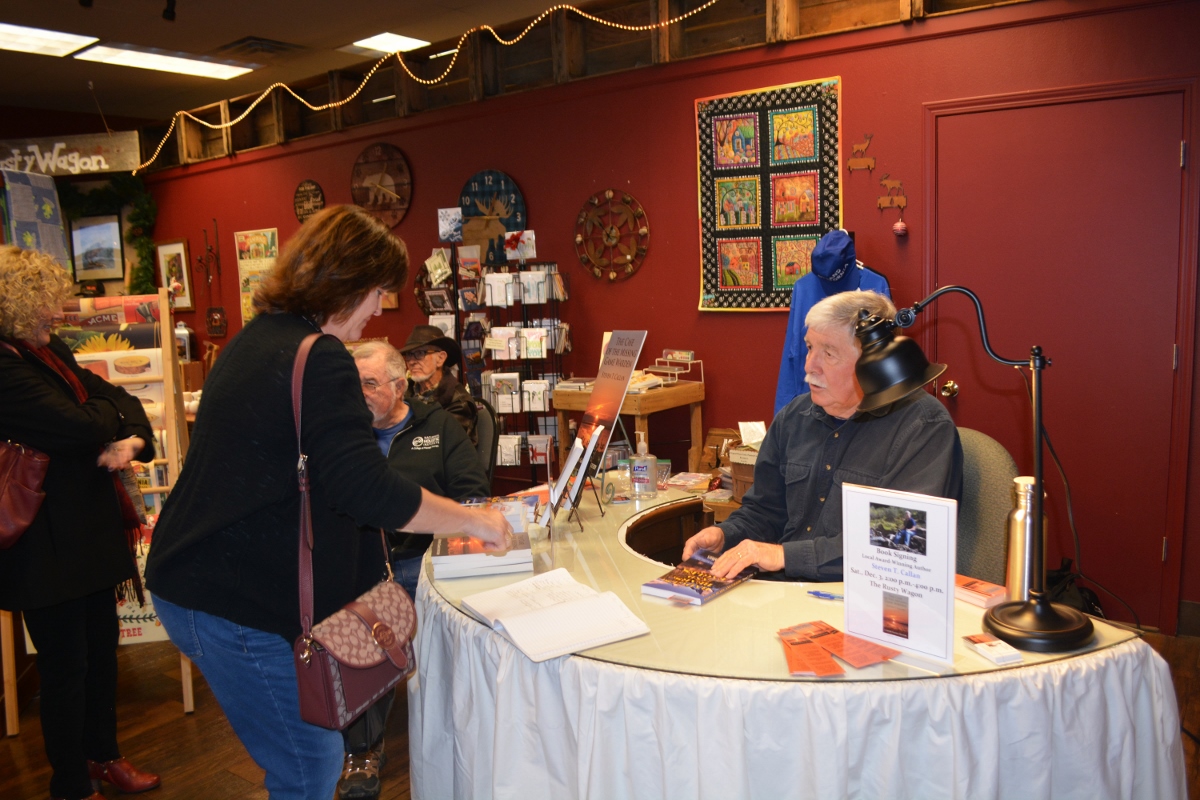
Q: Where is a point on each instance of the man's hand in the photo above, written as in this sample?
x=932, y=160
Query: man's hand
x=748, y=553
x=711, y=538
x=117, y=455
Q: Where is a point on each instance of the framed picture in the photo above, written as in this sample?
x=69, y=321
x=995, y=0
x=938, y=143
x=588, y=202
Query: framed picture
x=173, y=266
x=96, y=248
x=770, y=185
x=390, y=300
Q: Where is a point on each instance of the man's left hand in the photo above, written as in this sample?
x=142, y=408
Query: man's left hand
x=749, y=553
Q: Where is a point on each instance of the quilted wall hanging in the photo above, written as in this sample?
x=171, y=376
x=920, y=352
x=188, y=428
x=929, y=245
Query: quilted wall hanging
x=769, y=187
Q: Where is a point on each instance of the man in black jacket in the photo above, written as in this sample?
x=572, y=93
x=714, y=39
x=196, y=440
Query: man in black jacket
x=429, y=446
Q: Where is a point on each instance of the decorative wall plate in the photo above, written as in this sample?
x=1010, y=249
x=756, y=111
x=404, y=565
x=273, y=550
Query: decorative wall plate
x=492, y=206
x=381, y=183
x=612, y=235
x=307, y=200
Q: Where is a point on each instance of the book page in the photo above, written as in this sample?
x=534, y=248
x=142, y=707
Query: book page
x=579, y=624
x=540, y=591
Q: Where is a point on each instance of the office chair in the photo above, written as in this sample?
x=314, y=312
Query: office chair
x=485, y=431
x=988, y=472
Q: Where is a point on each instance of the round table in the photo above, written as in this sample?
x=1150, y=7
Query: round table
x=703, y=707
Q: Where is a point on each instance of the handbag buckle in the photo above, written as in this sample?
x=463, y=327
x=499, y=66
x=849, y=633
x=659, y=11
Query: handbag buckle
x=383, y=635
x=306, y=653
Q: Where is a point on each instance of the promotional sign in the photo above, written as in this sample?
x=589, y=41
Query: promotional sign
x=899, y=551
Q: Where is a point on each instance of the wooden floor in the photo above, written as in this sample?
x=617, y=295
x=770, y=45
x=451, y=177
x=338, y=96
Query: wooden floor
x=199, y=757
x=197, y=754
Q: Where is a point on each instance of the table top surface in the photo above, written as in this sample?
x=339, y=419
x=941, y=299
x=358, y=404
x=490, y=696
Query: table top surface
x=734, y=635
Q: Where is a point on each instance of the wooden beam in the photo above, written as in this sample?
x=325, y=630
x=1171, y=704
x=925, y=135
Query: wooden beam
x=781, y=20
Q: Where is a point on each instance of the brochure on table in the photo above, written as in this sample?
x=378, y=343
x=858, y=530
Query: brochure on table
x=899, y=558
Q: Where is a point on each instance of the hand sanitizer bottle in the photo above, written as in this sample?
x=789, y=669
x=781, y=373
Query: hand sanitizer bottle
x=643, y=469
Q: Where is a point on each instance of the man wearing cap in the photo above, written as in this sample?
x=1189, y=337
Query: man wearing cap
x=790, y=522
x=429, y=355
x=834, y=269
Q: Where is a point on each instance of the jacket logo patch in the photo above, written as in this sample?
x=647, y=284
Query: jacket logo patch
x=427, y=442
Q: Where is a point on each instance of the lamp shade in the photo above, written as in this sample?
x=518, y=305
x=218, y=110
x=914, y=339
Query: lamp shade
x=891, y=367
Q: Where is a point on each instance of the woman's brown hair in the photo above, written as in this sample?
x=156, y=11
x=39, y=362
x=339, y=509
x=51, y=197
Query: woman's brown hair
x=330, y=264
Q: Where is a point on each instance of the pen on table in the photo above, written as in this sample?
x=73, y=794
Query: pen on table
x=825, y=595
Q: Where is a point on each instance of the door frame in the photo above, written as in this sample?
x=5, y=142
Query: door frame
x=1186, y=283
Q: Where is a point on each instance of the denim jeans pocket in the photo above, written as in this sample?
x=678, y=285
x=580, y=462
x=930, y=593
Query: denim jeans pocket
x=181, y=627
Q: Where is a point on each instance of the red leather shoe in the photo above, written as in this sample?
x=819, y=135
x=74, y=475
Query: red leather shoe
x=125, y=776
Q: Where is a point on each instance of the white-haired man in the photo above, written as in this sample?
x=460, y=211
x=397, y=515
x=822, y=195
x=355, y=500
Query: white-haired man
x=790, y=522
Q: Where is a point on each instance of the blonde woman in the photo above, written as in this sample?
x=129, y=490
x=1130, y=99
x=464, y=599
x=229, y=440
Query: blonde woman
x=63, y=572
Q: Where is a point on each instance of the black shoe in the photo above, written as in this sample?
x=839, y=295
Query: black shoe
x=360, y=775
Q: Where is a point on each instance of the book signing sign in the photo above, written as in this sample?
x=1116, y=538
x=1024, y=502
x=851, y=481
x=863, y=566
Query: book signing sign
x=899, y=560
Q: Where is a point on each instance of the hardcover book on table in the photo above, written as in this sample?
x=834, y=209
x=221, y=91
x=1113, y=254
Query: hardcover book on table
x=693, y=583
x=460, y=556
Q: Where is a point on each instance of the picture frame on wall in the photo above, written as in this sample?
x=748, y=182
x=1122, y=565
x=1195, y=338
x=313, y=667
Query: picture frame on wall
x=172, y=259
x=97, y=253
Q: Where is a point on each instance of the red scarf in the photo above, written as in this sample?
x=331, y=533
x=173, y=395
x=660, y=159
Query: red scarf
x=129, y=516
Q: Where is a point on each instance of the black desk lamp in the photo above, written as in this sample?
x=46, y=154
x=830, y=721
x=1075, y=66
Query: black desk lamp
x=892, y=367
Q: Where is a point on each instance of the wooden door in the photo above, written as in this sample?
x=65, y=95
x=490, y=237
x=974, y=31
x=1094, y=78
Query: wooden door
x=1064, y=217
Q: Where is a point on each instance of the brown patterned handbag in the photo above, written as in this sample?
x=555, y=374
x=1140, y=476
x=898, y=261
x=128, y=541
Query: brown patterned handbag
x=353, y=657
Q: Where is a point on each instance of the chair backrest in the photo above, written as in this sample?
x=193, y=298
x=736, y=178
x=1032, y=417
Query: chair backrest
x=485, y=431
x=988, y=472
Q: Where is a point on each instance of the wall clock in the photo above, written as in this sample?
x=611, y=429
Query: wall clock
x=612, y=235
x=381, y=183
x=308, y=200
x=492, y=206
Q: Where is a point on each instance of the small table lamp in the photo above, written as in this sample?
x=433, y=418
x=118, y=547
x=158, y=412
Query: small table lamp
x=892, y=367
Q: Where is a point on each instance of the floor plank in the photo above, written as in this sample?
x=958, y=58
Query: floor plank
x=199, y=756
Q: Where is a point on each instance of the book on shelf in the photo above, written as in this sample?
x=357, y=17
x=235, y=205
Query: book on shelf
x=978, y=592
x=553, y=615
x=692, y=582
x=576, y=384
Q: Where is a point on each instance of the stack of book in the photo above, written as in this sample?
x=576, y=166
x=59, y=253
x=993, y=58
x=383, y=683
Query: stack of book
x=464, y=556
x=978, y=592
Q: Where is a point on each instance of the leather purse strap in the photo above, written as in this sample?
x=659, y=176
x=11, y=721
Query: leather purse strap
x=306, y=532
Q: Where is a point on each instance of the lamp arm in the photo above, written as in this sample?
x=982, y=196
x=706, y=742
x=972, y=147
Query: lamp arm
x=905, y=317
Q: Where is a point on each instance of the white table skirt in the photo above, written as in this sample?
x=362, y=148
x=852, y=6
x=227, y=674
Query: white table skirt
x=485, y=722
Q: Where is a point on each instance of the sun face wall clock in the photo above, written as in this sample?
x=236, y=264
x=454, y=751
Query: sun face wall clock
x=381, y=183
x=612, y=235
x=492, y=206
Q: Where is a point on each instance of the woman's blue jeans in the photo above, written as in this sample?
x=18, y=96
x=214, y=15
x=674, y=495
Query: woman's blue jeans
x=253, y=677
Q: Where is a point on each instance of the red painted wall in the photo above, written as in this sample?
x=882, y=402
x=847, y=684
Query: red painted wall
x=636, y=132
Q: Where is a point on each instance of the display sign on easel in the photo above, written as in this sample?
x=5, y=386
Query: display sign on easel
x=604, y=406
x=899, y=554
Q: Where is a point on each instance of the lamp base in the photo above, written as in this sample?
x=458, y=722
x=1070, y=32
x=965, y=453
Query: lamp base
x=1039, y=625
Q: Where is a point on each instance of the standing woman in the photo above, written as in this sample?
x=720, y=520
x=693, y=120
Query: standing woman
x=429, y=355
x=62, y=573
x=224, y=563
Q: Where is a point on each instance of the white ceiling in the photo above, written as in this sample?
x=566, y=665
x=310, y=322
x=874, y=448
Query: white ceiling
x=204, y=27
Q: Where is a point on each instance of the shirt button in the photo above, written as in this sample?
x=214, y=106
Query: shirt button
x=827, y=467
x=822, y=499
x=836, y=435
x=810, y=529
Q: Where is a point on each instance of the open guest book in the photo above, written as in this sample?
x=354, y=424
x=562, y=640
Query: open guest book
x=553, y=614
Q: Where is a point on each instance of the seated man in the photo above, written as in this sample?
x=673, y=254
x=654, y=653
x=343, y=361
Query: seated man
x=427, y=445
x=790, y=522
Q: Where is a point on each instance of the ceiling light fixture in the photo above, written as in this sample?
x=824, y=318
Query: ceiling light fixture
x=40, y=41
x=390, y=43
x=126, y=55
x=449, y=52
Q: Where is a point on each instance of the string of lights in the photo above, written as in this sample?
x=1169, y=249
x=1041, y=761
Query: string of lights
x=424, y=81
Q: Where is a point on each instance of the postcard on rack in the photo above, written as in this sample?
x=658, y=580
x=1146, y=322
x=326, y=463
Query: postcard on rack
x=898, y=565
